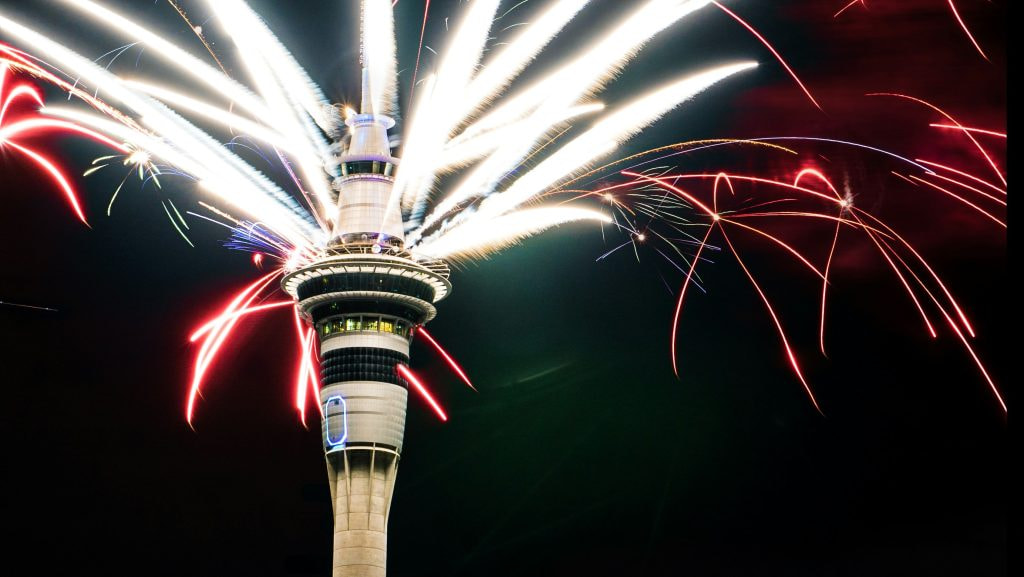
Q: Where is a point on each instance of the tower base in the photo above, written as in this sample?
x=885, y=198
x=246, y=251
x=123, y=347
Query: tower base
x=362, y=481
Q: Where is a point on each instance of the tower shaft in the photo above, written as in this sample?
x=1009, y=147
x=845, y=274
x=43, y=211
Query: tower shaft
x=362, y=482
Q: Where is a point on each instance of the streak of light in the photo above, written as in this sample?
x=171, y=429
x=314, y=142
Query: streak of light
x=969, y=129
x=203, y=330
x=781, y=243
x=712, y=141
x=970, y=188
x=682, y=297
x=824, y=288
x=775, y=318
x=831, y=253
x=924, y=262
x=12, y=96
x=977, y=144
x=408, y=375
x=29, y=307
x=773, y=51
x=967, y=31
x=198, y=30
x=55, y=174
x=960, y=335
x=216, y=338
x=715, y=217
x=419, y=51
x=664, y=182
x=175, y=224
x=448, y=358
x=961, y=199
x=848, y=6
x=965, y=175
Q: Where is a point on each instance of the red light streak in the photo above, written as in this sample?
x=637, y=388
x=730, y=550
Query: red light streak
x=824, y=288
x=451, y=362
x=870, y=231
x=832, y=250
x=408, y=375
x=961, y=199
x=662, y=181
x=935, y=276
x=314, y=379
x=23, y=61
x=778, y=323
x=968, y=187
x=771, y=311
x=967, y=133
x=794, y=363
x=21, y=90
x=899, y=274
x=779, y=242
x=848, y=6
x=828, y=217
x=216, y=337
x=240, y=313
x=56, y=175
x=306, y=379
x=878, y=237
x=961, y=337
x=718, y=178
x=27, y=127
x=773, y=51
x=969, y=129
x=901, y=177
x=965, y=175
x=967, y=31
x=816, y=174
x=302, y=377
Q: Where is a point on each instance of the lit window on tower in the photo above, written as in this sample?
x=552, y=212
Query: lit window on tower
x=390, y=325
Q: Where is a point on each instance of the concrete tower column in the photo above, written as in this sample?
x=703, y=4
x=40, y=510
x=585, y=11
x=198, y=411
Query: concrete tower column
x=362, y=482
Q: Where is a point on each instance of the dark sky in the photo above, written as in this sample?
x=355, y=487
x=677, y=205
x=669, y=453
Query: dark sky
x=582, y=453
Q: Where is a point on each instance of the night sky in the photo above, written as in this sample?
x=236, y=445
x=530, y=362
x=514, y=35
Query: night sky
x=582, y=453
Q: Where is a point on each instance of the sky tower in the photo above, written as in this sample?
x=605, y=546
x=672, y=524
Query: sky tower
x=365, y=295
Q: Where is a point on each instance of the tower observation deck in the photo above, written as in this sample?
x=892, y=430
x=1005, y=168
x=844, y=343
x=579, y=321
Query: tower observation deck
x=365, y=296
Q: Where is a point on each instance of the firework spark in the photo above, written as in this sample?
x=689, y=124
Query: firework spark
x=448, y=358
x=420, y=388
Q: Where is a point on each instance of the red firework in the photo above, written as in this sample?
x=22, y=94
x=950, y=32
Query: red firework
x=20, y=120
